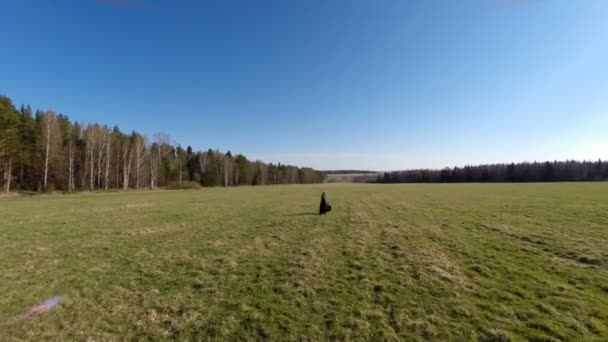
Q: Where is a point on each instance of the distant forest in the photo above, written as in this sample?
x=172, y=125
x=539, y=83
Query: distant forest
x=556, y=171
x=347, y=172
x=45, y=151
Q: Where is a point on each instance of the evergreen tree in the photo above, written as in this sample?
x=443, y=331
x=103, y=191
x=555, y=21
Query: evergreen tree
x=9, y=139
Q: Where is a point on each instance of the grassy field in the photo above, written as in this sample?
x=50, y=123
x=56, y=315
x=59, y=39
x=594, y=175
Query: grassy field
x=348, y=177
x=491, y=262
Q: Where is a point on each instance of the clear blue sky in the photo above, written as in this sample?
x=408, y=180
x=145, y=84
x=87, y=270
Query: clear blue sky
x=386, y=84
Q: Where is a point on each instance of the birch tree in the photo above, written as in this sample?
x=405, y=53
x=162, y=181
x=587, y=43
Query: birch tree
x=156, y=157
x=140, y=151
x=92, y=142
x=226, y=166
x=152, y=168
x=50, y=135
x=116, y=142
x=83, y=138
x=127, y=159
x=100, y=150
x=108, y=157
x=72, y=146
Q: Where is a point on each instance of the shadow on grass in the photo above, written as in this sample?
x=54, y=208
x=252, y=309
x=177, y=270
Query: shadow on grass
x=302, y=214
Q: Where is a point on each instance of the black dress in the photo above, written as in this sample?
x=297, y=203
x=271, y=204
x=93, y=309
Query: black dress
x=324, y=207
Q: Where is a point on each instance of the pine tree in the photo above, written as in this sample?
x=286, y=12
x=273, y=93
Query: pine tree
x=9, y=139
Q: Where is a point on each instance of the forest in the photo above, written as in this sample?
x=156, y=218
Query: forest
x=550, y=171
x=45, y=151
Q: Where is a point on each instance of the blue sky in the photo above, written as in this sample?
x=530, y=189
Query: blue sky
x=386, y=84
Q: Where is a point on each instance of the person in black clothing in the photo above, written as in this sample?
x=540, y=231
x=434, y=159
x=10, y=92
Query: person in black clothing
x=324, y=207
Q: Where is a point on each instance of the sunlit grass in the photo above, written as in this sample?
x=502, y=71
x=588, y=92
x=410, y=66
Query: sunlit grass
x=436, y=262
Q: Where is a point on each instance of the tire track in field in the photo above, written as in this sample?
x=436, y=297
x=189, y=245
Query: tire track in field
x=415, y=263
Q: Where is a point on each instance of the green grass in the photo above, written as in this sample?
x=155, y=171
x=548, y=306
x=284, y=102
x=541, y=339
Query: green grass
x=491, y=262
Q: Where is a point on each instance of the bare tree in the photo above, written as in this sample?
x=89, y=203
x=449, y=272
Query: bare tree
x=83, y=136
x=100, y=150
x=236, y=174
x=160, y=142
x=108, y=142
x=152, y=169
x=140, y=150
x=8, y=171
x=226, y=168
x=92, y=142
x=71, y=153
x=126, y=162
x=177, y=165
x=50, y=134
x=117, y=139
x=47, y=152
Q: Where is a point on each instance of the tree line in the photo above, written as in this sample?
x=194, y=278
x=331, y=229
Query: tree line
x=348, y=172
x=45, y=151
x=555, y=171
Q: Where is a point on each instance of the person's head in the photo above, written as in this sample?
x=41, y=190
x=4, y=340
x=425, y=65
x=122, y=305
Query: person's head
x=323, y=195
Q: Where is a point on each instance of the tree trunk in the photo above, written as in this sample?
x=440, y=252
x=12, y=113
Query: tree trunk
x=180, y=171
x=83, y=178
x=152, y=175
x=117, y=170
x=126, y=165
x=138, y=147
x=138, y=167
x=21, y=175
x=107, y=175
x=158, y=162
x=70, y=165
x=225, y=174
x=8, y=172
x=125, y=176
x=48, y=150
x=202, y=162
x=99, y=155
x=92, y=165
